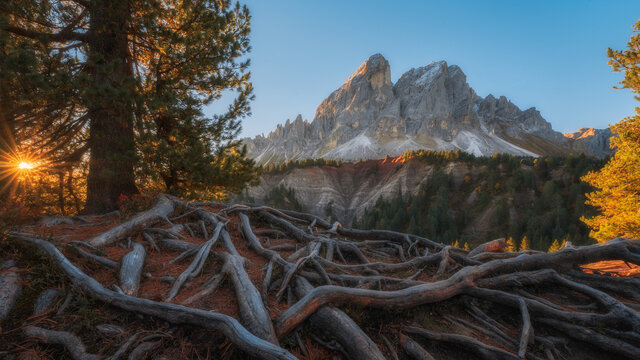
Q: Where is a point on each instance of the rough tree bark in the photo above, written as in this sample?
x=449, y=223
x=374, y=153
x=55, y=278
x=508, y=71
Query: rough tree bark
x=111, y=138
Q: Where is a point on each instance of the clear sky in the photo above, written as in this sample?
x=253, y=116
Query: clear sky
x=547, y=54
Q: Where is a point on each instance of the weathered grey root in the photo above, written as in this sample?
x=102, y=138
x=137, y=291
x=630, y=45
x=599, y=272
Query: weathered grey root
x=141, y=350
x=527, y=330
x=474, y=346
x=109, y=329
x=253, y=313
x=413, y=349
x=125, y=347
x=108, y=263
x=315, y=248
x=45, y=301
x=196, y=265
x=75, y=346
x=353, y=341
x=131, y=270
x=460, y=282
x=175, y=314
x=518, y=281
x=175, y=245
x=164, y=206
x=10, y=287
x=208, y=288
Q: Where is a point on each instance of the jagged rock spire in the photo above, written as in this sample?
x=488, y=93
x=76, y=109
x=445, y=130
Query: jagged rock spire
x=430, y=107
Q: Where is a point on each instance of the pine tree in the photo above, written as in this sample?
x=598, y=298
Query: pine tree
x=511, y=245
x=555, y=246
x=563, y=244
x=617, y=184
x=413, y=227
x=456, y=244
x=524, y=244
x=466, y=246
x=138, y=74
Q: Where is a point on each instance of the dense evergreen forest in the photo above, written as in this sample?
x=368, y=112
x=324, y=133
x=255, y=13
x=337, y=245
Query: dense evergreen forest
x=542, y=199
x=284, y=198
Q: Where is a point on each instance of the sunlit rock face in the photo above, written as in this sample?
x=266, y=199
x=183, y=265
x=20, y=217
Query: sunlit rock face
x=592, y=141
x=431, y=107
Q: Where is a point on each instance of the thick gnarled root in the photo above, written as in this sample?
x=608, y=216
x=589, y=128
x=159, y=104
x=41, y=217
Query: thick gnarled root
x=362, y=294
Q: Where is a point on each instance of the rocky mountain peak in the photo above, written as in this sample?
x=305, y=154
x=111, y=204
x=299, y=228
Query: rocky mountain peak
x=375, y=70
x=430, y=107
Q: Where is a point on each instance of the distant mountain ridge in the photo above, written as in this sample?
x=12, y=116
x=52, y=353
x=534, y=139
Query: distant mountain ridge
x=431, y=107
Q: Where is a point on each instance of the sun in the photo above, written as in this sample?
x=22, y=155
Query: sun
x=25, y=165
x=18, y=167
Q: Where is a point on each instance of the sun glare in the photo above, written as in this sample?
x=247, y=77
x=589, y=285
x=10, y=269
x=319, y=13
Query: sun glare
x=25, y=165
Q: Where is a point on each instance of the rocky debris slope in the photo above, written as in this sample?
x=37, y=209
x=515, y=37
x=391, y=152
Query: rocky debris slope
x=431, y=107
x=347, y=191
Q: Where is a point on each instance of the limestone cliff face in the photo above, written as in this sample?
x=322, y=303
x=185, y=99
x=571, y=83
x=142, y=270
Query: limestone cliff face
x=431, y=107
x=592, y=141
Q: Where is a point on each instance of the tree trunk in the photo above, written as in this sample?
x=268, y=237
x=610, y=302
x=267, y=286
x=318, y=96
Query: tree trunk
x=61, y=202
x=109, y=99
x=7, y=140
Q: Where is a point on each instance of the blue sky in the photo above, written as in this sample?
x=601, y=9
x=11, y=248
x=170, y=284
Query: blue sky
x=547, y=54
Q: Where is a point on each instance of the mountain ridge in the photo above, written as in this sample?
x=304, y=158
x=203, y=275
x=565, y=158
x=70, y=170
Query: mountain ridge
x=428, y=108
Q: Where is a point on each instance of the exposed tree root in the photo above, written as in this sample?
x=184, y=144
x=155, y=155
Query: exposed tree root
x=346, y=288
x=176, y=314
x=413, y=349
x=253, y=313
x=196, y=264
x=474, y=346
x=131, y=270
x=10, y=287
x=98, y=259
x=163, y=207
x=45, y=301
x=71, y=342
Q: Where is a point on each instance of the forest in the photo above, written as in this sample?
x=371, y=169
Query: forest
x=542, y=199
x=121, y=235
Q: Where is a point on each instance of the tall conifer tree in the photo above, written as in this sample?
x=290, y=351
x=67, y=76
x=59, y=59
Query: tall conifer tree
x=139, y=74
